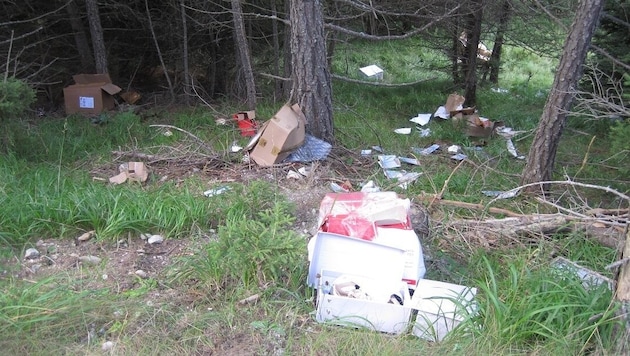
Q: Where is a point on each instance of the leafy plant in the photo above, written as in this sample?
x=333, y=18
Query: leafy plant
x=15, y=97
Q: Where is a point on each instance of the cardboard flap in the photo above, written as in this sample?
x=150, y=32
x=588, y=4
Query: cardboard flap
x=91, y=78
x=111, y=89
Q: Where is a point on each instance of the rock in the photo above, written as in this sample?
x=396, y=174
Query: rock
x=142, y=274
x=88, y=235
x=36, y=267
x=155, y=239
x=145, y=236
x=90, y=260
x=107, y=346
x=31, y=254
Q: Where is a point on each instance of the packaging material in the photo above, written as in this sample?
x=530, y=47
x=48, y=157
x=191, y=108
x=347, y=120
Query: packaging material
x=282, y=134
x=246, y=121
x=130, y=171
x=92, y=94
x=313, y=149
x=441, y=308
x=365, y=226
x=590, y=279
x=359, y=301
x=372, y=71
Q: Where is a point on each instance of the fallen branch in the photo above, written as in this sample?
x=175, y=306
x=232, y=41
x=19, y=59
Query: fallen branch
x=197, y=139
x=473, y=206
x=378, y=84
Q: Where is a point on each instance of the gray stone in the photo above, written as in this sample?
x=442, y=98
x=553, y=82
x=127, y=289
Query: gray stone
x=31, y=254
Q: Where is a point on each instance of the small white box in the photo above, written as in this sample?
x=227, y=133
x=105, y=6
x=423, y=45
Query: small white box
x=375, y=314
x=372, y=71
x=441, y=308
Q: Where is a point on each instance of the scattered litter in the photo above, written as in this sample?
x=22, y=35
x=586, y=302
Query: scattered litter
x=590, y=279
x=388, y=161
x=426, y=151
x=500, y=90
x=500, y=194
x=408, y=177
x=424, y=132
x=281, y=135
x=31, y=254
x=366, y=152
x=294, y=175
x=107, y=346
x=155, y=239
x=409, y=160
x=370, y=187
x=338, y=188
x=453, y=149
x=305, y=171
x=221, y=121
x=132, y=171
x=142, y=274
x=167, y=133
x=313, y=149
x=393, y=174
x=512, y=149
x=372, y=71
x=459, y=157
x=216, y=191
x=246, y=122
x=441, y=113
x=507, y=132
x=403, y=130
x=421, y=119
x=235, y=147
x=90, y=260
x=377, y=149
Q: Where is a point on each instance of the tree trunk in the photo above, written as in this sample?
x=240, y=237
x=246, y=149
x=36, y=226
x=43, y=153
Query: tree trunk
x=185, y=52
x=96, y=31
x=159, y=51
x=622, y=294
x=243, y=54
x=80, y=38
x=288, y=56
x=473, y=28
x=275, y=36
x=495, y=58
x=542, y=153
x=312, y=88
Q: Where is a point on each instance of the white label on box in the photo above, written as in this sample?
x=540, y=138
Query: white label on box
x=86, y=102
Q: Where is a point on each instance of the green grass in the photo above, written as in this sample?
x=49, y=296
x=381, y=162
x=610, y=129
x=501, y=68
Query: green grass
x=245, y=239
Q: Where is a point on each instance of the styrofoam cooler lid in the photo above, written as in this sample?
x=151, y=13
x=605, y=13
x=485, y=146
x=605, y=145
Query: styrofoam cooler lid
x=355, y=256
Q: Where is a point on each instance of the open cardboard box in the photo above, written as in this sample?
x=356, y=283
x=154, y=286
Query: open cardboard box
x=282, y=134
x=92, y=94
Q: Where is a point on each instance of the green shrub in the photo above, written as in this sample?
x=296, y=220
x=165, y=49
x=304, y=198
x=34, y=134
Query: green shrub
x=15, y=97
x=619, y=145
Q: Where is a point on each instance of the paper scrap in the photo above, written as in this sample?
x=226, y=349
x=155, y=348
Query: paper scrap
x=421, y=119
x=403, y=130
x=388, y=161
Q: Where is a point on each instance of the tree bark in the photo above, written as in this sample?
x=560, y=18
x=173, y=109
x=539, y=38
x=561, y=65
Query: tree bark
x=275, y=36
x=542, y=153
x=312, y=88
x=473, y=28
x=244, y=54
x=495, y=58
x=80, y=38
x=96, y=32
x=622, y=295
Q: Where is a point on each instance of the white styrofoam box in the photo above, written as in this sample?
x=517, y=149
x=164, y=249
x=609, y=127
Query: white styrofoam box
x=408, y=241
x=353, y=256
x=441, y=307
x=375, y=314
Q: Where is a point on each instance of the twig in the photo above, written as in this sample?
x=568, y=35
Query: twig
x=572, y=183
x=585, y=159
x=581, y=216
x=197, y=139
x=379, y=84
x=465, y=205
x=6, y=71
x=441, y=193
x=618, y=263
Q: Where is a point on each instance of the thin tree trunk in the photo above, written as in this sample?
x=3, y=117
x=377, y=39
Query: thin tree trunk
x=495, y=58
x=542, y=154
x=472, y=47
x=312, y=88
x=277, y=93
x=622, y=295
x=159, y=52
x=288, y=56
x=244, y=54
x=80, y=38
x=185, y=52
x=96, y=31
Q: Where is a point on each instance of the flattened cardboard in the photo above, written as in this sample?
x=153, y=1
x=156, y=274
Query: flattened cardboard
x=92, y=94
x=283, y=133
x=133, y=171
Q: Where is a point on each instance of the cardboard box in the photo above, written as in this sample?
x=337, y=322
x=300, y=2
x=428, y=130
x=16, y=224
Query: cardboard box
x=92, y=94
x=282, y=134
x=375, y=313
x=372, y=71
x=441, y=308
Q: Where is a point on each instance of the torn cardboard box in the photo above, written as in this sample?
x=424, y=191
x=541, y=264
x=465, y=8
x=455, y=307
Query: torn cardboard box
x=132, y=171
x=282, y=134
x=92, y=94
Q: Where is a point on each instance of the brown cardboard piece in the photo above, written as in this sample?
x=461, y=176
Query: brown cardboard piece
x=92, y=94
x=283, y=133
x=132, y=171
